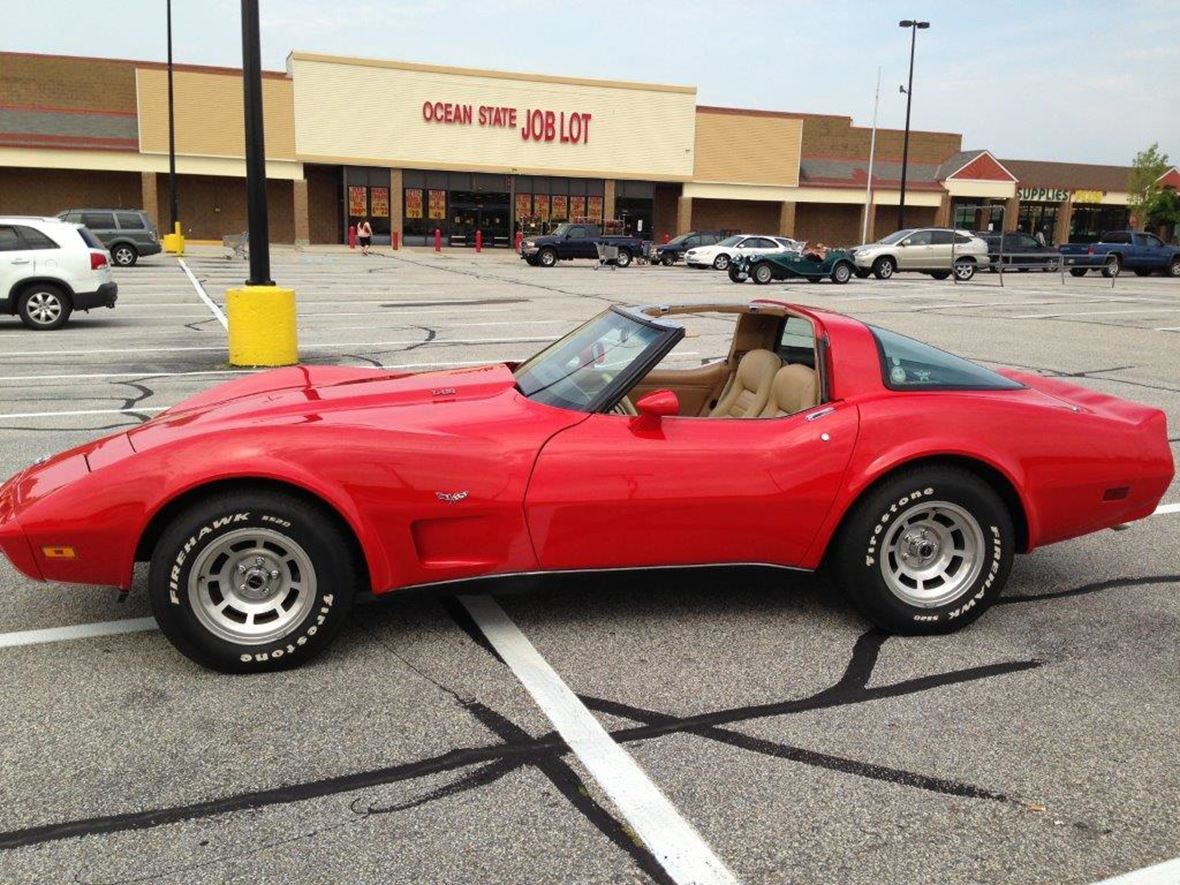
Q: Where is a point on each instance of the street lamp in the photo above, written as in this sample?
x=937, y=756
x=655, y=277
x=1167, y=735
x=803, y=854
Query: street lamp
x=173, y=240
x=914, y=26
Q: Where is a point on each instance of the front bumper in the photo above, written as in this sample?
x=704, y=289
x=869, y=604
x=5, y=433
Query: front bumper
x=14, y=543
x=104, y=296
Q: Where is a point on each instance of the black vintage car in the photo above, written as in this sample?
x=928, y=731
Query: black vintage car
x=672, y=251
x=1020, y=251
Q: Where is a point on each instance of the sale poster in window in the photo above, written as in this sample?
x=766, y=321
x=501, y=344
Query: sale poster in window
x=577, y=208
x=413, y=202
x=379, y=202
x=357, y=200
x=524, y=205
x=438, y=204
x=594, y=209
x=560, y=207
x=541, y=206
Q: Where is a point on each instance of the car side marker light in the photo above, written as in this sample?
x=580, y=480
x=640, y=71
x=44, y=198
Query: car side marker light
x=59, y=553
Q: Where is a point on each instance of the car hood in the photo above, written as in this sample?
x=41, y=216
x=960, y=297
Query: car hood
x=303, y=393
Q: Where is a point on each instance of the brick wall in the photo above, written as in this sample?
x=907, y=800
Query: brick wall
x=663, y=218
x=212, y=206
x=323, y=203
x=833, y=136
x=836, y=224
x=65, y=82
x=915, y=216
x=49, y=191
x=747, y=216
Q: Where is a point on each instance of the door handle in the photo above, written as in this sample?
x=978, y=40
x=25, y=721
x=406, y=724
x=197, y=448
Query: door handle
x=21, y=261
x=817, y=415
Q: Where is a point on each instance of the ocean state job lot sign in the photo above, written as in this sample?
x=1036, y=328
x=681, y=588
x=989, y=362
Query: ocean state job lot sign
x=414, y=116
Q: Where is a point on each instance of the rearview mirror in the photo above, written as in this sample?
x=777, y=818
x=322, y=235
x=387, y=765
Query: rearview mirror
x=656, y=405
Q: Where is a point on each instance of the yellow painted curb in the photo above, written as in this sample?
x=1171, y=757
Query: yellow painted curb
x=261, y=326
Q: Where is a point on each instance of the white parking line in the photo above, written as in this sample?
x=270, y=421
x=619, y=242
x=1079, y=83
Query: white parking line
x=1166, y=508
x=94, y=376
x=78, y=631
x=470, y=342
x=1166, y=873
x=1092, y=313
x=12, y=415
x=673, y=841
x=217, y=311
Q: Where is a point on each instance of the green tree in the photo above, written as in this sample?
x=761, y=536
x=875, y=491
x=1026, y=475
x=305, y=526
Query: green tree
x=1142, y=189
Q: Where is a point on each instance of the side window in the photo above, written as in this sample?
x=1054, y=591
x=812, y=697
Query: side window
x=9, y=241
x=907, y=364
x=34, y=239
x=796, y=343
x=961, y=239
x=919, y=238
x=710, y=239
x=1116, y=236
x=1151, y=240
x=73, y=217
x=130, y=220
x=1027, y=242
x=764, y=243
x=577, y=233
x=99, y=220
x=692, y=242
x=941, y=237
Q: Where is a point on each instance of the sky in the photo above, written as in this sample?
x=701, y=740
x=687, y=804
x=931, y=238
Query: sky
x=1081, y=81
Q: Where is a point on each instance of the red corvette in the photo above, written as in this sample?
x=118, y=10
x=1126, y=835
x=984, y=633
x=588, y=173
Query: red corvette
x=265, y=504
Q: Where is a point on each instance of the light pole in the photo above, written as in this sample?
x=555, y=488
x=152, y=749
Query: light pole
x=914, y=26
x=173, y=240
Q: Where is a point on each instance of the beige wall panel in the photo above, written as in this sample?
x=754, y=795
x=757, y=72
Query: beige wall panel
x=209, y=116
x=996, y=190
x=372, y=114
x=752, y=149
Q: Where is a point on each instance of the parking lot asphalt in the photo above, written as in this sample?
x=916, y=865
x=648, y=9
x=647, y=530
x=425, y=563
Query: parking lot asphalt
x=1038, y=745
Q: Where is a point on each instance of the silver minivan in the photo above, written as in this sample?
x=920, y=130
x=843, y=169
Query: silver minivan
x=126, y=233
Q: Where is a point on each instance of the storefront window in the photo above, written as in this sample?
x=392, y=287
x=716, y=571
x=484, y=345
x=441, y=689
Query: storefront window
x=1038, y=218
x=366, y=195
x=1089, y=222
x=979, y=215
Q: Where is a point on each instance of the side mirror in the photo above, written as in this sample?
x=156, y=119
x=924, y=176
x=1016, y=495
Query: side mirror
x=904, y=243
x=656, y=405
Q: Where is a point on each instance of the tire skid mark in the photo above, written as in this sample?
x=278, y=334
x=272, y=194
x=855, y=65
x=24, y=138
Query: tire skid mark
x=1096, y=587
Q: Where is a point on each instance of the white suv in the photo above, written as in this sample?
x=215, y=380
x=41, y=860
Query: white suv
x=50, y=268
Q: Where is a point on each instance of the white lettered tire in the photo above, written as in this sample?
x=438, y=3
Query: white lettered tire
x=252, y=581
x=926, y=551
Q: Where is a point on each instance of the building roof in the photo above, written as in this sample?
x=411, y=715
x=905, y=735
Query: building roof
x=1069, y=176
x=836, y=172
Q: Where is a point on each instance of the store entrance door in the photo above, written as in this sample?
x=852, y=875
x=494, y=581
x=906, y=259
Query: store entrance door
x=479, y=211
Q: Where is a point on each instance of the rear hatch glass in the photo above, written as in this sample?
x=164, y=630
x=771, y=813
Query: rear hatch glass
x=89, y=239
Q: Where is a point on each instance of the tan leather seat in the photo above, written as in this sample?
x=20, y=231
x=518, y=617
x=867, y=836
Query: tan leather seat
x=795, y=388
x=747, y=395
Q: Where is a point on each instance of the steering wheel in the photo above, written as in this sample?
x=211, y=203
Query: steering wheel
x=624, y=407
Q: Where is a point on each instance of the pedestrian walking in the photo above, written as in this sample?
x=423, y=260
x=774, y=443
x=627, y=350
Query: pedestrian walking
x=364, y=234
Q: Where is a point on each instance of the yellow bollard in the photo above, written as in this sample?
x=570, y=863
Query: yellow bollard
x=173, y=242
x=261, y=323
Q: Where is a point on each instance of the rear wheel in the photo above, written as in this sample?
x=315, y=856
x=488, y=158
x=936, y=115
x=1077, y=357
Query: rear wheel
x=1174, y=267
x=842, y=273
x=762, y=273
x=667, y=260
x=964, y=269
x=1113, y=266
x=124, y=255
x=1077, y=271
x=927, y=551
x=721, y=262
x=862, y=273
x=248, y=582
x=883, y=268
x=44, y=307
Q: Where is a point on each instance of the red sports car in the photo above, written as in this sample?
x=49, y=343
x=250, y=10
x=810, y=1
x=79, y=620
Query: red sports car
x=266, y=504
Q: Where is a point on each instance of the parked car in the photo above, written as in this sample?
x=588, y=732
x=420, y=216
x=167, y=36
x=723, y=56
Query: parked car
x=570, y=241
x=924, y=250
x=1018, y=251
x=672, y=251
x=49, y=268
x=837, y=266
x=912, y=474
x=721, y=253
x=1119, y=250
x=126, y=233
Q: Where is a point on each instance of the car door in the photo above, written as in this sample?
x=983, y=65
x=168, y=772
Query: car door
x=578, y=244
x=912, y=252
x=16, y=261
x=1153, y=253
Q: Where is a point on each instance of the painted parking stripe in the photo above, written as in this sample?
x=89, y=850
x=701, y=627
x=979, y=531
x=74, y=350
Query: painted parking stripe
x=11, y=415
x=1166, y=873
x=94, y=376
x=78, y=631
x=670, y=838
x=203, y=295
x=1166, y=508
x=469, y=342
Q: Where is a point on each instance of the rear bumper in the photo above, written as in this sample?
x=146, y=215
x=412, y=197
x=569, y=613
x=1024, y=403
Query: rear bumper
x=104, y=296
x=149, y=248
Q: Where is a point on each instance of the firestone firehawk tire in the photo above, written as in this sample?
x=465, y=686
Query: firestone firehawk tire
x=250, y=582
x=927, y=551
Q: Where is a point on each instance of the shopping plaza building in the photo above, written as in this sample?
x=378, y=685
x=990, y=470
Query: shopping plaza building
x=418, y=148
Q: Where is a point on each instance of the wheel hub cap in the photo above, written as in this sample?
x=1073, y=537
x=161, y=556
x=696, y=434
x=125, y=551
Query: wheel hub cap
x=932, y=554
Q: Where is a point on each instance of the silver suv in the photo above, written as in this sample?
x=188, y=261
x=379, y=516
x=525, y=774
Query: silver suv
x=937, y=251
x=127, y=233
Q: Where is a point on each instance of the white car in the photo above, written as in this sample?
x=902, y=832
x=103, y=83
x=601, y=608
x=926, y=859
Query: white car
x=932, y=250
x=720, y=254
x=49, y=268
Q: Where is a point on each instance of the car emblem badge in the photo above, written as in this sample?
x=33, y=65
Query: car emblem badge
x=451, y=497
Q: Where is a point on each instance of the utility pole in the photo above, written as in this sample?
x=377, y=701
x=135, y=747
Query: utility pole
x=864, y=233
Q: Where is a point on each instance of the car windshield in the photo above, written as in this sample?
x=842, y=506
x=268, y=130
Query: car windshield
x=732, y=241
x=575, y=371
x=895, y=237
x=560, y=230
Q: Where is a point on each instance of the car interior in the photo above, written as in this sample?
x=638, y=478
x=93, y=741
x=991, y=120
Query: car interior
x=770, y=371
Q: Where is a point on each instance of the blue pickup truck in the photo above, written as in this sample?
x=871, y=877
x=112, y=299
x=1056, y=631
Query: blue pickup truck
x=570, y=241
x=1120, y=250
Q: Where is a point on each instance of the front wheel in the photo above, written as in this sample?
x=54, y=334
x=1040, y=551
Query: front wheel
x=667, y=260
x=735, y=275
x=246, y=582
x=927, y=551
x=863, y=273
x=964, y=269
x=624, y=258
x=721, y=262
x=1174, y=267
x=547, y=257
x=124, y=255
x=841, y=273
x=883, y=268
x=44, y=307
